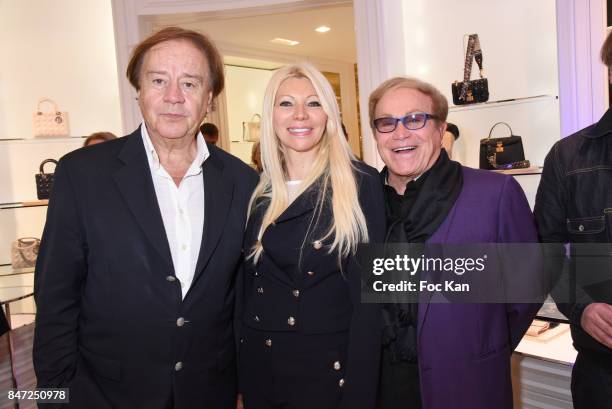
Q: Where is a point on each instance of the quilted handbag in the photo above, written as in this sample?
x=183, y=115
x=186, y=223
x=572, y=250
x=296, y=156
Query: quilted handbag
x=251, y=129
x=44, y=181
x=50, y=123
x=24, y=252
x=471, y=91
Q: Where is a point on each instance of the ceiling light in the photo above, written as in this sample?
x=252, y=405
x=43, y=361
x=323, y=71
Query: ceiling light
x=284, y=41
x=322, y=29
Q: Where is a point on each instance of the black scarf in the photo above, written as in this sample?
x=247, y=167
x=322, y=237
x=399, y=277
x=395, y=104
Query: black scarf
x=413, y=218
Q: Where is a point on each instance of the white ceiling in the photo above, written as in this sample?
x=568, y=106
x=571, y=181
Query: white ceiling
x=254, y=31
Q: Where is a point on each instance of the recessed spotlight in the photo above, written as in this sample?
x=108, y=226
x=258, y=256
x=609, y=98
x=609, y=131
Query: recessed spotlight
x=322, y=29
x=284, y=41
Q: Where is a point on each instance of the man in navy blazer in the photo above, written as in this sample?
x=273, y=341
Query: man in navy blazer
x=134, y=282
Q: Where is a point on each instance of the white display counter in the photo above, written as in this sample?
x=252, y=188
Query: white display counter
x=542, y=369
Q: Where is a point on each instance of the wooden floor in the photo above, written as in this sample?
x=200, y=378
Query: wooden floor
x=21, y=338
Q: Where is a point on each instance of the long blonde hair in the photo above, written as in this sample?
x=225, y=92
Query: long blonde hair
x=333, y=166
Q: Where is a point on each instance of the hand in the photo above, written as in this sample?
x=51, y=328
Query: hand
x=239, y=403
x=597, y=322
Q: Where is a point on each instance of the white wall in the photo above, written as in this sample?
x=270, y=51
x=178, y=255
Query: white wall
x=518, y=40
x=425, y=39
x=64, y=50
x=519, y=43
x=245, y=88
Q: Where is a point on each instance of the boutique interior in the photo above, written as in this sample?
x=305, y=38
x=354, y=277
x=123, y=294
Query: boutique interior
x=541, y=60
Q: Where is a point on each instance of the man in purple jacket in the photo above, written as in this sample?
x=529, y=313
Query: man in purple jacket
x=444, y=356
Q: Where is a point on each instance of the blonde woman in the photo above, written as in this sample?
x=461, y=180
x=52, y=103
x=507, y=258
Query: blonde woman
x=306, y=339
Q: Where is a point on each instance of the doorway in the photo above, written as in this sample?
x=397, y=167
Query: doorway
x=256, y=41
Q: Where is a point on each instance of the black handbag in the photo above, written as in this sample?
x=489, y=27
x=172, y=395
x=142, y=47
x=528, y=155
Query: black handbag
x=502, y=153
x=471, y=91
x=44, y=181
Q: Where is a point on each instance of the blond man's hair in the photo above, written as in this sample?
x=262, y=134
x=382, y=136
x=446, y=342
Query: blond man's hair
x=439, y=102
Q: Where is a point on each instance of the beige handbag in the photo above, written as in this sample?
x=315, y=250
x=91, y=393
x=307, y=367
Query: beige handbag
x=250, y=130
x=54, y=123
x=24, y=252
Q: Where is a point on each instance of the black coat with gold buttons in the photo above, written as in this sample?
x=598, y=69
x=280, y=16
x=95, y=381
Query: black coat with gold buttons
x=298, y=286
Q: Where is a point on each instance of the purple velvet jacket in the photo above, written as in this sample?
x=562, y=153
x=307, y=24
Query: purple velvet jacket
x=465, y=349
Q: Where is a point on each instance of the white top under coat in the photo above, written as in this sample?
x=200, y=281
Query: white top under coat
x=181, y=207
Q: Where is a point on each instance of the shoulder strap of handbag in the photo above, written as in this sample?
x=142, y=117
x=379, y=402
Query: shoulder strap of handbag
x=473, y=51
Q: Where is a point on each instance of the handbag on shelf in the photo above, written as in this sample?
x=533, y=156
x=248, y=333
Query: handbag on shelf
x=24, y=252
x=471, y=91
x=251, y=129
x=53, y=123
x=44, y=181
x=502, y=153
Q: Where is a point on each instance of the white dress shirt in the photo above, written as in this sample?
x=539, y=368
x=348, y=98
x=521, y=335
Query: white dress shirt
x=181, y=207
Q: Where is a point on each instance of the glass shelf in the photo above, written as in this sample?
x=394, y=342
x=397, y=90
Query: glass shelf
x=42, y=140
x=8, y=270
x=19, y=205
x=533, y=170
x=504, y=102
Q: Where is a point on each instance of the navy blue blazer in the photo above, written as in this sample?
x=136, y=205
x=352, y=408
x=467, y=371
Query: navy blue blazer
x=302, y=280
x=111, y=323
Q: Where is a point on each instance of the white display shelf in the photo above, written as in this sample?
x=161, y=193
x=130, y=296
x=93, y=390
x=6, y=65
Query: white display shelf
x=556, y=346
x=20, y=205
x=41, y=140
x=501, y=103
x=533, y=170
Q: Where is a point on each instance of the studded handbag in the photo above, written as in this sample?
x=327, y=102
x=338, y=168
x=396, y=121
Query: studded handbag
x=54, y=123
x=502, y=153
x=471, y=91
x=44, y=181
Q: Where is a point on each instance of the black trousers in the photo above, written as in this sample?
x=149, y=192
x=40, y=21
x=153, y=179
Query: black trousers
x=592, y=381
x=399, y=384
x=279, y=370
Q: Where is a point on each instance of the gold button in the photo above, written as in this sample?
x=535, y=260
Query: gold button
x=291, y=321
x=178, y=366
x=260, y=290
x=341, y=382
x=180, y=322
x=310, y=273
x=256, y=318
x=171, y=279
x=268, y=342
x=337, y=365
x=296, y=293
x=317, y=244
